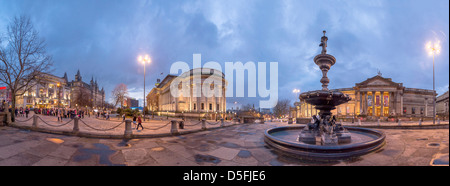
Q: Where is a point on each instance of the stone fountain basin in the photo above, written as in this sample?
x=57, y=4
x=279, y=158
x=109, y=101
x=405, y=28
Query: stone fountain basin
x=364, y=141
x=325, y=98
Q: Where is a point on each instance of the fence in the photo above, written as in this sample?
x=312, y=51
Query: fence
x=176, y=125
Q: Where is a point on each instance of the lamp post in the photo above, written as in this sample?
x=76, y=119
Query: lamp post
x=144, y=60
x=59, y=94
x=433, y=49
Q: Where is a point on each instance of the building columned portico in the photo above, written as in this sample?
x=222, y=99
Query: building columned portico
x=194, y=104
x=381, y=97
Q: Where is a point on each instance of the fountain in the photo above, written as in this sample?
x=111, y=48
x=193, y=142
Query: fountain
x=324, y=137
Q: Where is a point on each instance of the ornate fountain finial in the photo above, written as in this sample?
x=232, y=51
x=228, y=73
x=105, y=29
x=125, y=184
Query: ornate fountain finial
x=323, y=42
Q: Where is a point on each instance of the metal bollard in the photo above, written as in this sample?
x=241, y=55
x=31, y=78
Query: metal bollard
x=35, y=121
x=174, y=129
x=222, y=123
x=128, y=131
x=203, y=124
x=76, y=128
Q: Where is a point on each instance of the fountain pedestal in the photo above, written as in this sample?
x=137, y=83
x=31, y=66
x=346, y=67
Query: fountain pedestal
x=323, y=138
x=325, y=101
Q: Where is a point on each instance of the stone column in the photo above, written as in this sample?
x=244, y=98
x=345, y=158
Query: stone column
x=76, y=127
x=374, y=110
x=382, y=103
x=128, y=131
x=426, y=106
x=401, y=104
x=360, y=103
x=174, y=128
x=203, y=124
x=366, y=107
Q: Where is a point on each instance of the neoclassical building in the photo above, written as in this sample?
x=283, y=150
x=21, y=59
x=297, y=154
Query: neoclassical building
x=379, y=97
x=442, y=105
x=46, y=93
x=161, y=101
x=53, y=91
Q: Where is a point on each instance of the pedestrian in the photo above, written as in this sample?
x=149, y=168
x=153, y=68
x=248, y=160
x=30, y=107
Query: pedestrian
x=123, y=117
x=27, y=111
x=139, y=120
x=134, y=121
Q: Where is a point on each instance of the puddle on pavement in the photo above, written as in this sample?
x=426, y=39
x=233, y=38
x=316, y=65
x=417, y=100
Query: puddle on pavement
x=440, y=160
x=124, y=143
x=101, y=150
x=433, y=145
x=157, y=149
x=55, y=140
x=206, y=158
x=422, y=139
x=244, y=154
x=230, y=145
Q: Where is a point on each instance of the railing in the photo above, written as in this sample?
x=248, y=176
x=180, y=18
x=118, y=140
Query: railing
x=128, y=131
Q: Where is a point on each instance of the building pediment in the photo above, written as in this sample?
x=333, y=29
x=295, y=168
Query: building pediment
x=378, y=81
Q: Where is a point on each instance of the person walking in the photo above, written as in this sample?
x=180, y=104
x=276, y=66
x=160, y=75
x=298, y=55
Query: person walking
x=134, y=121
x=27, y=111
x=139, y=120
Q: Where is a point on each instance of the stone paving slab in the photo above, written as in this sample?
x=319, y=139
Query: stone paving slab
x=238, y=145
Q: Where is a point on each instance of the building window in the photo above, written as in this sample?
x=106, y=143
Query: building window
x=203, y=106
x=217, y=107
x=404, y=110
x=195, y=106
x=210, y=106
x=422, y=111
x=413, y=110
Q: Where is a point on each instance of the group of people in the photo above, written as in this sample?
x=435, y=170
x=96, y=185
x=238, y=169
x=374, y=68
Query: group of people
x=137, y=119
x=61, y=113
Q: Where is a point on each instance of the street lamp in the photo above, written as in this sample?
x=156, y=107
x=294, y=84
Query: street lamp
x=144, y=60
x=433, y=49
x=59, y=94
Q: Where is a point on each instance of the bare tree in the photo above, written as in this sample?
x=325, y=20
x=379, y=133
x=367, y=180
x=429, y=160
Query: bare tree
x=119, y=93
x=281, y=108
x=23, y=57
x=82, y=97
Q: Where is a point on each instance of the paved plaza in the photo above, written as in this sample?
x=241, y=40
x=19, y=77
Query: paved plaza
x=234, y=145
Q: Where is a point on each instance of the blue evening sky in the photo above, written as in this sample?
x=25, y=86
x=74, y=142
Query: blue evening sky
x=102, y=38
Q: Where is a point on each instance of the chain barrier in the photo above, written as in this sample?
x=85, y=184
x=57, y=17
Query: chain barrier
x=186, y=125
x=161, y=126
x=24, y=120
x=100, y=129
x=213, y=123
x=60, y=125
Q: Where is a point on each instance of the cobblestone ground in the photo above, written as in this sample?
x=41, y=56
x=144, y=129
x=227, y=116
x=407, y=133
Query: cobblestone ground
x=238, y=145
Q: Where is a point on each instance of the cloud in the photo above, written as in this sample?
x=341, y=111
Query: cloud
x=104, y=38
